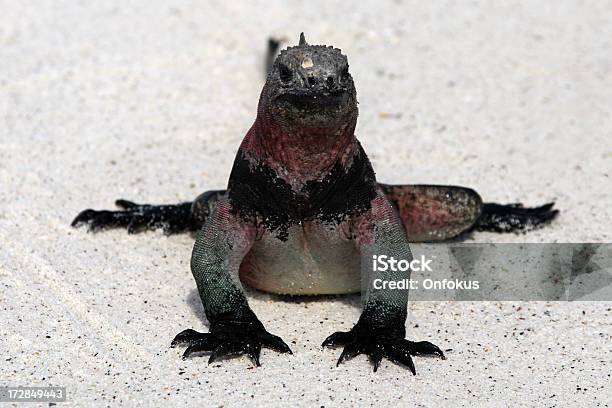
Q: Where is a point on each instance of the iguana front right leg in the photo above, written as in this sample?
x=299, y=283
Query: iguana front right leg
x=219, y=250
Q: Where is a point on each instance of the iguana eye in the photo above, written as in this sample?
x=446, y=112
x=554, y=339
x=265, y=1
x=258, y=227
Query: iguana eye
x=344, y=74
x=285, y=73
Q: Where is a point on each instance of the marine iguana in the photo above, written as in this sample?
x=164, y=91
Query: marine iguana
x=301, y=209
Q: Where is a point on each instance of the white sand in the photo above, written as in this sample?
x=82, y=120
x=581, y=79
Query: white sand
x=149, y=102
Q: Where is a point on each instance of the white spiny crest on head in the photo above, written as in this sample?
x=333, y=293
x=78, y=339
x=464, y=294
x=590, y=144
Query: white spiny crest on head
x=304, y=47
x=303, y=42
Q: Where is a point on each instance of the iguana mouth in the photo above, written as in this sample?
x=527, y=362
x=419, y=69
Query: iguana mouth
x=316, y=101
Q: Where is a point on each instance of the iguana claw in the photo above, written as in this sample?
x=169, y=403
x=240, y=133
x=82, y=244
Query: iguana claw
x=379, y=343
x=229, y=339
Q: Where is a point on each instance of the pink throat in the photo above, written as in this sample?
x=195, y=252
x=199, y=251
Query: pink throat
x=299, y=154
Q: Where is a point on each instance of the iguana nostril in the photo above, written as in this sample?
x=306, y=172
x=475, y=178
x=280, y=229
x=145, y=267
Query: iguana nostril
x=330, y=81
x=312, y=81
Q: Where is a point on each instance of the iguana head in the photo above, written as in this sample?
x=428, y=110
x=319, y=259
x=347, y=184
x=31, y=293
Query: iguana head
x=311, y=86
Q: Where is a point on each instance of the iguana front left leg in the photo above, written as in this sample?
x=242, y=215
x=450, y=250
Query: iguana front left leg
x=219, y=250
x=380, y=331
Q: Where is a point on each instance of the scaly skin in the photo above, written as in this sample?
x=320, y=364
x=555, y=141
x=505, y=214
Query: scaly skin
x=301, y=210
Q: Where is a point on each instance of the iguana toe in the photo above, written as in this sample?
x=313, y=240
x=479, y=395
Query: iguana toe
x=188, y=336
x=424, y=348
x=125, y=204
